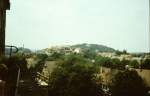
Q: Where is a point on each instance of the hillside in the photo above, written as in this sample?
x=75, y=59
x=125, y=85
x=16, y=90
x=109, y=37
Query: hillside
x=94, y=47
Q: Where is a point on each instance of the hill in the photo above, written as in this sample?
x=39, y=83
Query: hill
x=94, y=47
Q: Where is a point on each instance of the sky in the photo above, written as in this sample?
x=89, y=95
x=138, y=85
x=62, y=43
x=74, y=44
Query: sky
x=38, y=24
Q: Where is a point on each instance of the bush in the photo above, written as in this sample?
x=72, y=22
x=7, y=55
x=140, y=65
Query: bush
x=115, y=63
x=134, y=63
x=124, y=62
x=103, y=61
x=74, y=77
x=128, y=83
x=146, y=64
x=42, y=56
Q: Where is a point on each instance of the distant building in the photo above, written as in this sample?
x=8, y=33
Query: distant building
x=106, y=54
x=126, y=56
x=77, y=50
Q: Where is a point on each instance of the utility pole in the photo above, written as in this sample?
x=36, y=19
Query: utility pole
x=4, y=5
x=149, y=26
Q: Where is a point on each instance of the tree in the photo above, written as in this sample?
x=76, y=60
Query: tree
x=134, y=63
x=103, y=61
x=128, y=83
x=115, y=63
x=146, y=64
x=118, y=52
x=89, y=54
x=124, y=51
x=74, y=77
x=124, y=62
x=42, y=56
x=56, y=55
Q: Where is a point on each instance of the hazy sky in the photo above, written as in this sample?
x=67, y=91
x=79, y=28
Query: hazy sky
x=120, y=24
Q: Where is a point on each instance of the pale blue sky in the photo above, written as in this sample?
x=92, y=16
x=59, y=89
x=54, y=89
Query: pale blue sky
x=120, y=24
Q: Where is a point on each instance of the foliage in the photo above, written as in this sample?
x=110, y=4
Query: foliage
x=137, y=54
x=124, y=51
x=94, y=47
x=124, y=62
x=42, y=56
x=121, y=52
x=56, y=55
x=128, y=83
x=110, y=63
x=74, y=77
x=134, y=63
x=89, y=54
x=103, y=61
x=118, y=52
x=115, y=63
x=146, y=64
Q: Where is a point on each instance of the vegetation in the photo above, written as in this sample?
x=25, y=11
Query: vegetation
x=89, y=54
x=9, y=71
x=128, y=83
x=103, y=61
x=75, y=74
x=134, y=63
x=38, y=67
x=55, y=56
x=146, y=64
x=74, y=77
x=111, y=63
x=121, y=52
x=115, y=63
x=94, y=47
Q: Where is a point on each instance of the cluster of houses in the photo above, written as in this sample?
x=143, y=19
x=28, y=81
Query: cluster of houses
x=62, y=49
x=68, y=50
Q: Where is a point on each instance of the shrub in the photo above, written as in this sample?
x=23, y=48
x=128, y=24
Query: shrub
x=128, y=83
x=74, y=77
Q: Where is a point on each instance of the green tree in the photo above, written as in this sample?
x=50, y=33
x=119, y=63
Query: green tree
x=146, y=64
x=115, y=63
x=128, y=83
x=103, y=61
x=118, y=52
x=89, y=54
x=124, y=62
x=74, y=77
x=124, y=51
x=134, y=63
x=42, y=56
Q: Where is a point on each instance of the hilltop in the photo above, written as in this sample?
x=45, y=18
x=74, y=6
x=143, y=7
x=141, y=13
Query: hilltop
x=94, y=47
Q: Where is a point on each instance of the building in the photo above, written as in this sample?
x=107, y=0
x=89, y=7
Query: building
x=106, y=54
